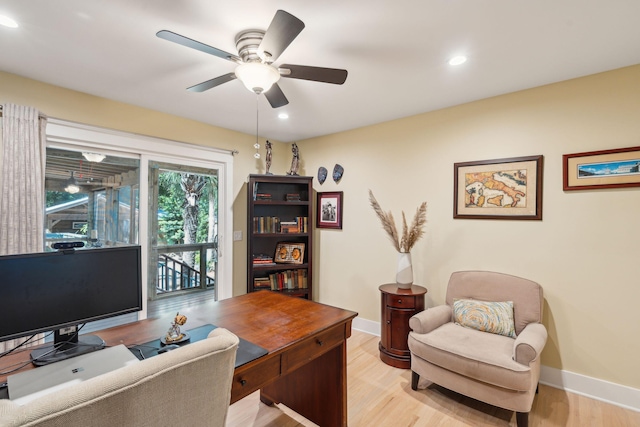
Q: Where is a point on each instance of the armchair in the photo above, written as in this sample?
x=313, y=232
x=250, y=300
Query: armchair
x=501, y=368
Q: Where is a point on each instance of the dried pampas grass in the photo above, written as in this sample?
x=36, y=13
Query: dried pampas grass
x=410, y=234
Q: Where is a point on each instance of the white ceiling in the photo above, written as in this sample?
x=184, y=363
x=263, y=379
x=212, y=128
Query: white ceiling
x=396, y=53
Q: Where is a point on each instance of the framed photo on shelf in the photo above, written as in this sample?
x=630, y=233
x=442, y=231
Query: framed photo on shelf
x=596, y=170
x=498, y=189
x=329, y=210
x=289, y=253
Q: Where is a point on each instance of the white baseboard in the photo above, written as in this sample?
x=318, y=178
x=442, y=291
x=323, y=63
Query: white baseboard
x=594, y=388
x=368, y=326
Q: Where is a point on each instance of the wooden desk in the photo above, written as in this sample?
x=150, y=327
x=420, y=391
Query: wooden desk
x=306, y=367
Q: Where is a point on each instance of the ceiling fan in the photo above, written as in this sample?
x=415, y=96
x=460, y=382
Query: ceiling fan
x=257, y=51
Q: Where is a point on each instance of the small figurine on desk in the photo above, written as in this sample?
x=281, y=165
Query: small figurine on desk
x=174, y=334
x=295, y=160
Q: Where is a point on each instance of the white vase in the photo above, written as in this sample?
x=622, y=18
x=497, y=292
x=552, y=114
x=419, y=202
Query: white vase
x=404, y=273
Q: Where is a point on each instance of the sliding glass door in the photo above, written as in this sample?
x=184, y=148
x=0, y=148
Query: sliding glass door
x=125, y=205
x=183, y=229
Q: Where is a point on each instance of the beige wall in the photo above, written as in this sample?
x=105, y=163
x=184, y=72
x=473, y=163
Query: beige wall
x=584, y=253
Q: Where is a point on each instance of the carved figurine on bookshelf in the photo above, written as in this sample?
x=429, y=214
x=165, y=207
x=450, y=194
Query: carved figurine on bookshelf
x=268, y=157
x=295, y=161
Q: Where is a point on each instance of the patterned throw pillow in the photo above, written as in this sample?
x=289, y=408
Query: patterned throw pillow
x=493, y=317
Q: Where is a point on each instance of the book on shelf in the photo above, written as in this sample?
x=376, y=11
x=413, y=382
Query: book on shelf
x=264, y=263
x=289, y=280
x=263, y=196
x=263, y=260
x=273, y=224
x=266, y=224
x=262, y=283
x=289, y=227
x=292, y=197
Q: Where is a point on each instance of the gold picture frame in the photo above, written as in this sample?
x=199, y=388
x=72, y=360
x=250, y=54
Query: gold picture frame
x=498, y=189
x=289, y=253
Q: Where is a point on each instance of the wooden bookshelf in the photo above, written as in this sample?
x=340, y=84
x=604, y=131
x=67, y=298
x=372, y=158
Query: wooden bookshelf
x=279, y=234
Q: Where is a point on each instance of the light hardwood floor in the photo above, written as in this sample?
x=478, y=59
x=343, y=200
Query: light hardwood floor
x=381, y=396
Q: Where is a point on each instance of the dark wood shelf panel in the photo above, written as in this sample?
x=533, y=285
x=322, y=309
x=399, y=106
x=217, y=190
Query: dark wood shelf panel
x=280, y=267
x=258, y=235
x=281, y=203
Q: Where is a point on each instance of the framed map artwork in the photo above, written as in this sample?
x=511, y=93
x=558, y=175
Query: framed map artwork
x=498, y=189
x=598, y=170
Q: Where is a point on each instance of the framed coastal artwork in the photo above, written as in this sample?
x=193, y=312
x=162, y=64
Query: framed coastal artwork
x=329, y=210
x=597, y=170
x=498, y=189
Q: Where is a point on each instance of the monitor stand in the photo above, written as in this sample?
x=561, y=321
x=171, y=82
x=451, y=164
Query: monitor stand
x=65, y=347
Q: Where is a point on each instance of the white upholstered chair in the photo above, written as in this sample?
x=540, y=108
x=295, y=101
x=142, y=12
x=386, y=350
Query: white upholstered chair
x=494, y=368
x=189, y=386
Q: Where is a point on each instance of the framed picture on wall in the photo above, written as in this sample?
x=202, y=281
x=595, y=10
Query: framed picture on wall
x=498, y=189
x=596, y=170
x=329, y=210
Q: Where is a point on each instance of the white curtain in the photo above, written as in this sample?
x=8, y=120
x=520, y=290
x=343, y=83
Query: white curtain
x=22, y=165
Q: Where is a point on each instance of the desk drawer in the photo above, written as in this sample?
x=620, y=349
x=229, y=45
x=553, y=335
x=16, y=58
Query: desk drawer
x=401, y=301
x=252, y=379
x=311, y=348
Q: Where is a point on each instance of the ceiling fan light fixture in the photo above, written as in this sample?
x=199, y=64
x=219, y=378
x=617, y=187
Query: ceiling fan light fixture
x=6, y=21
x=458, y=60
x=94, y=157
x=256, y=76
x=72, y=185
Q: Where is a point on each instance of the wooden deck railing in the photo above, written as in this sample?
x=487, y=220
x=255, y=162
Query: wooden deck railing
x=175, y=275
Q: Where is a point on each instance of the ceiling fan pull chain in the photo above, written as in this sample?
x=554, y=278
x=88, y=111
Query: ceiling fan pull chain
x=256, y=145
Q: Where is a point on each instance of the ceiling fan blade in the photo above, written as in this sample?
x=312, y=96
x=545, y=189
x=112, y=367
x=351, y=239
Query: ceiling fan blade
x=316, y=74
x=284, y=28
x=201, y=87
x=276, y=97
x=193, y=44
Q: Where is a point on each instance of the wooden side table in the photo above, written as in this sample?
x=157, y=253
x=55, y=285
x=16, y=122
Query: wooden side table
x=398, y=305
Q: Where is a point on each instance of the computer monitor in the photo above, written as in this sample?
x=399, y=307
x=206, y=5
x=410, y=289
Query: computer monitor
x=57, y=291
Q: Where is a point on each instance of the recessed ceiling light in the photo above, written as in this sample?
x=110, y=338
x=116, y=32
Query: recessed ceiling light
x=8, y=22
x=457, y=60
x=283, y=116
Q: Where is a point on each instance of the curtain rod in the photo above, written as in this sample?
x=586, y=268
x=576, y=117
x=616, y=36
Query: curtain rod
x=40, y=115
x=233, y=152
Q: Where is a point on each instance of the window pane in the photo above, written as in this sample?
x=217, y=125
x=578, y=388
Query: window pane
x=92, y=202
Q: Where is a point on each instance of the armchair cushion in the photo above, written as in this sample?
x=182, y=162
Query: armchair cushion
x=492, y=317
x=479, y=355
